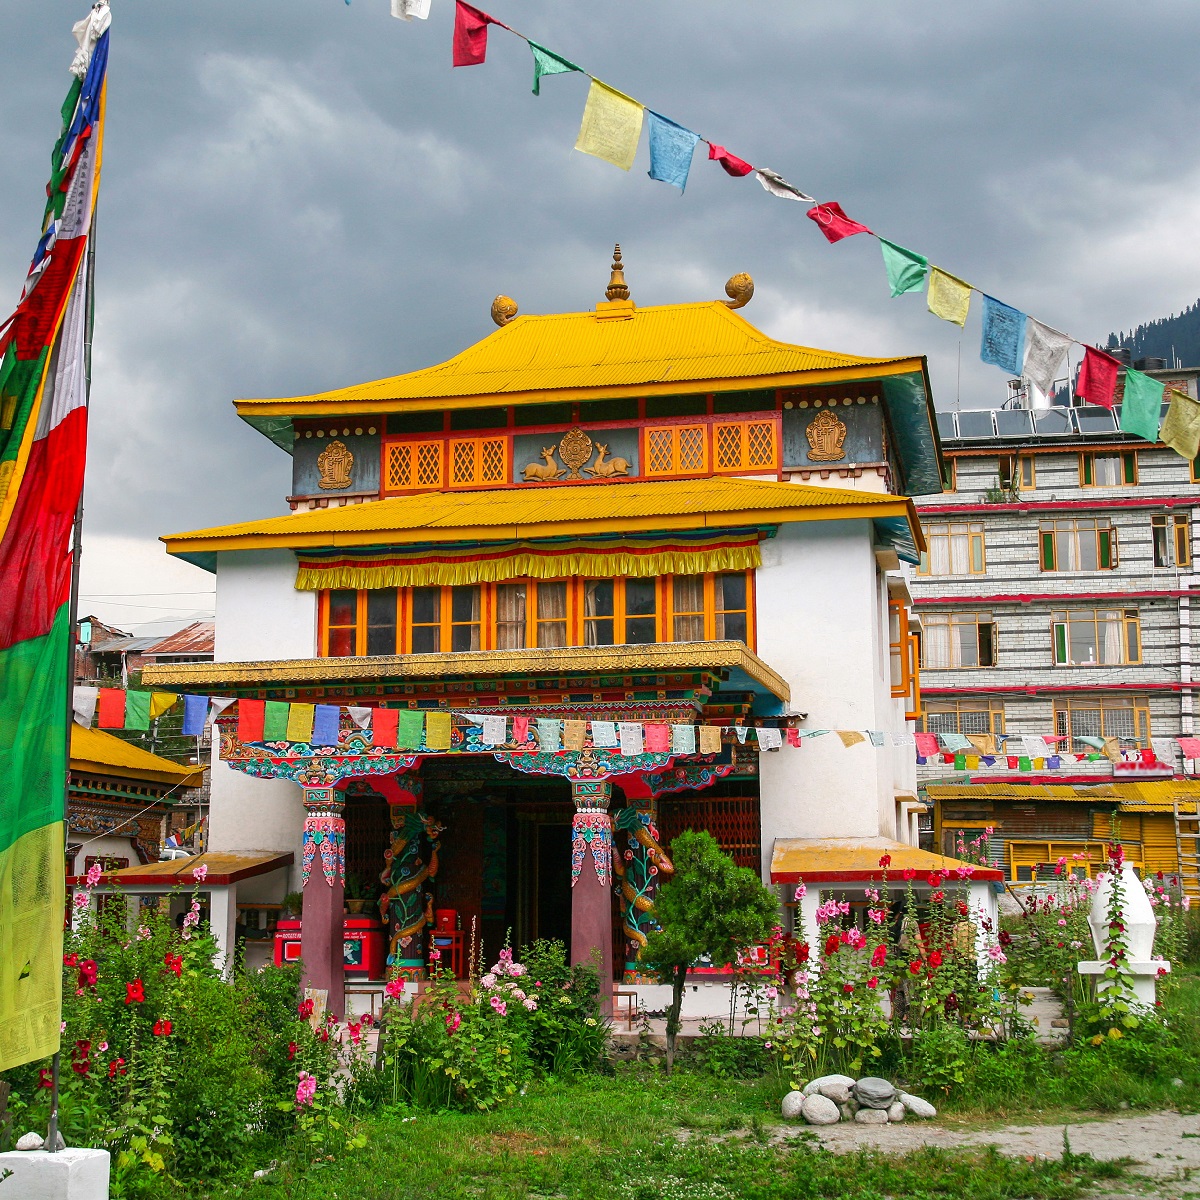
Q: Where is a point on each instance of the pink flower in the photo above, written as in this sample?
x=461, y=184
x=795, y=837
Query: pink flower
x=435, y=955
x=531, y=1005
x=997, y=955
x=854, y=938
x=200, y=874
x=801, y=892
x=453, y=1021
x=306, y=1089
x=489, y=980
x=876, y=915
x=80, y=900
x=93, y=875
x=1062, y=921
x=499, y=1005
x=394, y=988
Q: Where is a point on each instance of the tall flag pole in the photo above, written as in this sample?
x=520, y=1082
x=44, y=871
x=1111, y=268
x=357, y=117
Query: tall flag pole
x=43, y=441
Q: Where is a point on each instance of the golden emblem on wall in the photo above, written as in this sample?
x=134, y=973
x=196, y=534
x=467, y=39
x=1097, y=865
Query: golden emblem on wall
x=335, y=463
x=575, y=449
x=825, y=435
x=605, y=467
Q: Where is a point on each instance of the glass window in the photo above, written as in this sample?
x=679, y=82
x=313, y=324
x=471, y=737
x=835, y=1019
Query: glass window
x=599, y=614
x=381, y=621
x=1172, y=539
x=955, y=548
x=464, y=618
x=426, y=620
x=961, y=639
x=731, y=607
x=963, y=716
x=1096, y=637
x=1093, y=717
x=343, y=624
x=510, y=616
x=687, y=606
x=1079, y=544
x=1108, y=470
x=641, y=612
x=552, y=614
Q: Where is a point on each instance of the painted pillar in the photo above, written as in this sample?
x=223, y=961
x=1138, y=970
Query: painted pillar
x=222, y=920
x=324, y=894
x=591, y=881
x=641, y=868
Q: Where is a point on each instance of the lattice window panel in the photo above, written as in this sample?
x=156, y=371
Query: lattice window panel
x=732, y=820
x=728, y=446
x=677, y=450
x=744, y=445
x=408, y=465
x=478, y=461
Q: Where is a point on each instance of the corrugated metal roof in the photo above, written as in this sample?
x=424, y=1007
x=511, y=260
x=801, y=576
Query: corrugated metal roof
x=95, y=750
x=673, y=343
x=846, y=860
x=223, y=869
x=1148, y=796
x=125, y=645
x=544, y=511
x=197, y=638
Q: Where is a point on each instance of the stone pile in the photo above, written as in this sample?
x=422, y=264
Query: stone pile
x=867, y=1101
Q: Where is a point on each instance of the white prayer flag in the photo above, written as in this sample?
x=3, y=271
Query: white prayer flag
x=217, y=705
x=604, y=734
x=360, y=715
x=683, y=739
x=494, y=730
x=740, y=731
x=1035, y=747
x=778, y=186
x=631, y=738
x=407, y=9
x=83, y=704
x=768, y=738
x=1045, y=349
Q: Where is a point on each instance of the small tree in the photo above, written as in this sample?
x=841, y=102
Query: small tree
x=710, y=906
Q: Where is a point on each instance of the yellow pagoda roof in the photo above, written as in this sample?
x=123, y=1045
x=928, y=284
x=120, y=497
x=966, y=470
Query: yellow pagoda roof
x=97, y=752
x=551, y=511
x=696, y=347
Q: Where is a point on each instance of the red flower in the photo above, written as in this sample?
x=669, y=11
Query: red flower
x=938, y=897
x=909, y=873
x=305, y=1008
x=45, y=1078
x=847, y=988
x=962, y=908
x=162, y=1028
x=70, y=960
x=323, y=1033
x=802, y=952
x=135, y=993
x=82, y=1066
x=832, y=944
x=879, y=956
x=1004, y=938
x=915, y=966
x=88, y=973
x=935, y=958
x=116, y=1067
x=934, y=879
x=885, y=860
x=873, y=982
x=174, y=963
x=291, y=1051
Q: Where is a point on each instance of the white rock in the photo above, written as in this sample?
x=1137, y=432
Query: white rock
x=917, y=1106
x=30, y=1141
x=792, y=1103
x=871, y=1116
x=816, y=1085
x=819, y=1110
x=837, y=1091
x=896, y=1111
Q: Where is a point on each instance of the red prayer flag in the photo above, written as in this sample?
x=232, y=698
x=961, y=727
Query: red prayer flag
x=470, y=34
x=1097, y=382
x=520, y=730
x=1013, y=762
x=793, y=737
x=834, y=223
x=927, y=744
x=658, y=738
x=250, y=720
x=1190, y=746
x=730, y=162
x=385, y=723
x=112, y=708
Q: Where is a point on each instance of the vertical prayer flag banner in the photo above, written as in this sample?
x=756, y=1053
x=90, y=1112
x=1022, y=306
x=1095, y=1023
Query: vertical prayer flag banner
x=300, y=722
x=949, y=297
x=1002, y=342
x=385, y=723
x=1097, y=382
x=407, y=9
x=470, y=34
x=775, y=183
x=251, y=715
x=546, y=62
x=83, y=703
x=1141, y=405
x=112, y=708
x=730, y=163
x=137, y=710
x=1181, y=426
x=275, y=721
x=850, y=737
x=161, y=702
x=671, y=148
x=43, y=442
x=410, y=731
x=1045, y=349
x=549, y=733
x=657, y=738
x=710, y=739
x=612, y=124
x=195, y=713
x=438, y=730
x=834, y=223
x=326, y=724
x=906, y=269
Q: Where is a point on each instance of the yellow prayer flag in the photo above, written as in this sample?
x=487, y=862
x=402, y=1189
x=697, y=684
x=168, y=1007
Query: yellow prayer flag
x=1112, y=749
x=160, y=702
x=300, y=722
x=1181, y=427
x=972, y=762
x=612, y=125
x=985, y=743
x=710, y=739
x=1039, y=764
x=949, y=297
x=573, y=734
x=437, y=730
x=850, y=737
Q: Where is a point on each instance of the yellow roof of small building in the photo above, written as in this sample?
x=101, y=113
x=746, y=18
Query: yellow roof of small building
x=548, y=511
x=1151, y=795
x=564, y=356
x=93, y=750
x=852, y=860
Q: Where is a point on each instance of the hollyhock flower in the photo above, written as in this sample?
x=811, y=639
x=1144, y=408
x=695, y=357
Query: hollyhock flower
x=306, y=1089
x=143, y=933
x=847, y=988
x=855, y=938
x=190, y=919
x=453, y=1021
x=103, y=1046
x=876, y=915
x=88, y=973
x=909, y=873
x=516, y=970
x=489, y=980
x=93, y=875
x=70, y=960
x=499, y=1005
x=873, y=982
x=962, y=908
x=116, y=1067
x=885, y=860
x=831, y=945
x=292, y=1047
x=366, y=1020
x=802, y=952
x=394, y=989
x=801, y=892
x=1062, y=921
x=81, y=1066
x=305, y=1009
x=323, y=1034
x=200, y=874
x=934, y=879
x=771, y=993
x=997, y=955
x=935, y=958
x=45, y=1078
x=135, y=993
x=1005, y=938
x=915, y=966
x=355, y=1032
x=174, y=963
x=879, y=955
x=162, y=1028
x=937, y=897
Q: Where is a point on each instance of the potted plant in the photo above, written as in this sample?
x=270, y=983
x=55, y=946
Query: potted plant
x=356, y=894
x=293, y=905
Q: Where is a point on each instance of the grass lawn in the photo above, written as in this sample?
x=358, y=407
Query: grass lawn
x=638, y=1136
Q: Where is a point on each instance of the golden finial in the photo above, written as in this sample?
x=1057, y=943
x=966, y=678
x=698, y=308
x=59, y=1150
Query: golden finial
x=617, y=289
x=504, y=308
x=739, y=289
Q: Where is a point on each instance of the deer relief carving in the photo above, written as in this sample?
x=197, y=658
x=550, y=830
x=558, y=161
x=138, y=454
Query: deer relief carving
x=535, y=472
x=604, y=467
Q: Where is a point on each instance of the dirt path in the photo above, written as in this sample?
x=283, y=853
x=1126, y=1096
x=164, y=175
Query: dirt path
x=1164, y=1144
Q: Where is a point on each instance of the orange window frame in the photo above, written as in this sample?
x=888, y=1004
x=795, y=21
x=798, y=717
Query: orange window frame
x=445, y=623
x=478, y=462
x=418, y=455
x=664, y=448
x=745, y=445
x=905, y=658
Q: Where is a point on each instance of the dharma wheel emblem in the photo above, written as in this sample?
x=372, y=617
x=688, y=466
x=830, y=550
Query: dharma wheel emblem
x=575, y=449
x=825, y=435
x=335, y=463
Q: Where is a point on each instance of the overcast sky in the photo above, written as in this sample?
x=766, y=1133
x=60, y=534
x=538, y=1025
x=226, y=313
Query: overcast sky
x=303, y=194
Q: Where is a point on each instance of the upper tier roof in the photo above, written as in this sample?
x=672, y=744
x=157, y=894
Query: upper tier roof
x=93, y=750
x=565, y=356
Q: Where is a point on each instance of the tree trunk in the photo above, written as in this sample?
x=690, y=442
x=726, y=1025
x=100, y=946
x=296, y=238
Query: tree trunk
x=673, y=1022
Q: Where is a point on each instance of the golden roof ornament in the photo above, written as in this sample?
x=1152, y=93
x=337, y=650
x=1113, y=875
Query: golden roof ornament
x=739, y=289
x=504, y=308
x=617, y=288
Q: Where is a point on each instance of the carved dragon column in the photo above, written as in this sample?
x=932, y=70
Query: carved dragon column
x=591, y=881
x=411, y=865
x=642, y=867
x=324, y=892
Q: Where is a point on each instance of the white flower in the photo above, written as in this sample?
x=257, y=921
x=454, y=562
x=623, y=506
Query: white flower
x=531, y=1005
x=489, y=980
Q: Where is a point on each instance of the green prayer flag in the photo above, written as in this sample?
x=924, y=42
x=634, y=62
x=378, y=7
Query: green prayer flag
x=410, y=729
x=137, y=710
x=906, y=269
x=1023, y=764
x=1181, y=427
x=275, y=720
x=960, y=762
x=546, y=62
x=1141, y=405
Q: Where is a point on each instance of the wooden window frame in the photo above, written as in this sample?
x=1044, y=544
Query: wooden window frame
x=415, y=444
x=1048, y=531
x=993, y=708
x=744, y=465
x=676, y=430
x=949, y=474
x=1139, y=706
x=976, y=540
x=1129, y=467
x=904, y=658
x=1026, y=464
x=478, y=446
x=955, y=619
x=1176, y=539
x=1060, y=636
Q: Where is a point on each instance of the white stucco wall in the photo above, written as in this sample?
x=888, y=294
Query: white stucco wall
x=260, y=615
x=822, y=624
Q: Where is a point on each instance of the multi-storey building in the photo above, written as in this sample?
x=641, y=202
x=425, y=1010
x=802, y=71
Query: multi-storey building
x=1056, y=593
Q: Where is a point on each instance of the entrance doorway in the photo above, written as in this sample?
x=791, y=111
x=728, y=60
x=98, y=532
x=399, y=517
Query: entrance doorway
x=544, y=878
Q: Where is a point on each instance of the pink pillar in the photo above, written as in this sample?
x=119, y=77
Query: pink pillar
x=591, y=882
x=324, y=895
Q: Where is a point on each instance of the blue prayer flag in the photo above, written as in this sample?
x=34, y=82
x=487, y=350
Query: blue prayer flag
x=325, y=725
x=195, y=712
x=1003, y=341
x=671, y=149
